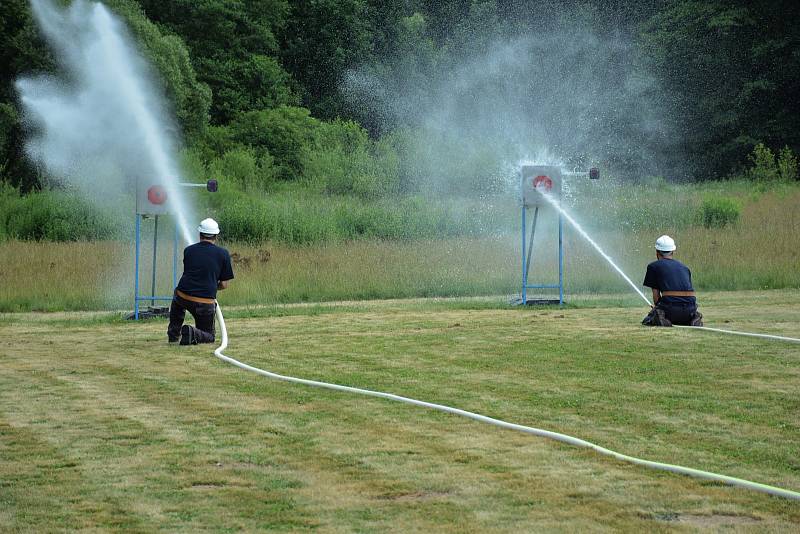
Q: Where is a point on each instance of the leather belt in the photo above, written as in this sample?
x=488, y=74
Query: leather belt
x=192, y=298
x=677, y=294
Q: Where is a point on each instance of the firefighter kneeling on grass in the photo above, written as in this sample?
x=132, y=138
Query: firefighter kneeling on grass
x=206, y=268
x=673, y=295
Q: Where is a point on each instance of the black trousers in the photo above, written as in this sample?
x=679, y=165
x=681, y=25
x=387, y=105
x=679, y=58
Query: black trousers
x=675, y=314
x=681, y=315
x=203, y=314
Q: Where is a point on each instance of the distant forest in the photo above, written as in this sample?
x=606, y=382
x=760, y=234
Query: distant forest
x=686, y=90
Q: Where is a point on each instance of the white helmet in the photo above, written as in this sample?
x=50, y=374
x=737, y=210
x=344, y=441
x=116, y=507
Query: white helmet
x=665, y=244
x=208, y=226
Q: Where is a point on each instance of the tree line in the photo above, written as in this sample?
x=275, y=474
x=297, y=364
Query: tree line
x=275, y=79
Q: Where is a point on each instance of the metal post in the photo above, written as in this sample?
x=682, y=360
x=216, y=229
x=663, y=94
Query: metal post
x=560, y=259
x=175, y=258
x=530, y=240
x=136, y=274
x=524, y=272
x=155, y=258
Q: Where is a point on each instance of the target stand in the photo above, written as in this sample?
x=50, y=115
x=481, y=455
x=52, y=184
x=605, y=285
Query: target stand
x=537, y=184
x=152, y=202
x=536, y=181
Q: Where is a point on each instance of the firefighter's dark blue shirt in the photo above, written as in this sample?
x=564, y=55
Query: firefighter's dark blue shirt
x=670, y=275
x=204, y=264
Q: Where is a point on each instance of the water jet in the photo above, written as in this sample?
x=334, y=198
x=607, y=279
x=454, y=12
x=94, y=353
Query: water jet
x=540, y=188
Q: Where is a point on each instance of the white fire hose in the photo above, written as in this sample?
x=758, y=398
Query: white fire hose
x=503, y=424
x=735, y=332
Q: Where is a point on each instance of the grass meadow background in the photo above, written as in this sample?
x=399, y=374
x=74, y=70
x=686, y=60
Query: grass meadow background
x=733, y=235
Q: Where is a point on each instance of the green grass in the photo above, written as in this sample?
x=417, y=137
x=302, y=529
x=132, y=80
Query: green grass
x=758, y=251
x=302, y=218
x=105, y=427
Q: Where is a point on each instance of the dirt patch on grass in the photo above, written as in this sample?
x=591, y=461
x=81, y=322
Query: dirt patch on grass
x=715, y=520
x=705, y=520
x=414, y=496
x=205, y=486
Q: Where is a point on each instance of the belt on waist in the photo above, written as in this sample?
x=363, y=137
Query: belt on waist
x=677, y=293
x=192, y=298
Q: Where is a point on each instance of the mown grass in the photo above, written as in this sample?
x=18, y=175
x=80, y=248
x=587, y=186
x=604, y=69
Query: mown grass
x=104, y=427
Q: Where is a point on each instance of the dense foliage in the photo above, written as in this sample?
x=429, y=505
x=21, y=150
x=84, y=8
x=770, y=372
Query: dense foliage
x=366, y=98
x=730, y=77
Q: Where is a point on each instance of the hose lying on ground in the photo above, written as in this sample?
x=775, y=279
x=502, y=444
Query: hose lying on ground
x=735, y=332
x=503, y=424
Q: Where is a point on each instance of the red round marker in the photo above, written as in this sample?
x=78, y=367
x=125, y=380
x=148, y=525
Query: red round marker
x=543, y=181
x=156, y=195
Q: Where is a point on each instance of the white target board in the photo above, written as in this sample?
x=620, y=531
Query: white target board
x=151, y=198
x=538, y=179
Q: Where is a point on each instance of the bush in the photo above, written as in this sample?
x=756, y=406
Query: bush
x=5, y=201
x=763, y=167
x=297, y=217
x=245, y=168
x=284, y=133
x=718, y=212
x=767, y=168
x=281, y=218
x=55, y=216
x=344, y=161
x=215, y=141
x=787, y=165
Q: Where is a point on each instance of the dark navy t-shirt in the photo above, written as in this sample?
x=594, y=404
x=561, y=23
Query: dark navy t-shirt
x=670, y=275
x=204, y=264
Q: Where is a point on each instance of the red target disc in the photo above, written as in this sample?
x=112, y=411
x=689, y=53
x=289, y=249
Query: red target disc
x=156, y=195
x=543, y=181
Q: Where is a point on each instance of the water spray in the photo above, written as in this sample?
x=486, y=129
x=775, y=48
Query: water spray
x=564, y=438
x=557, y=205
x=544, y=183
x=100, y=124
x=533, y=178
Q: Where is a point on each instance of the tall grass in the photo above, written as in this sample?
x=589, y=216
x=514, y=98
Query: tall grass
x=373, y=269
x=62, y=276
x=761, y=252
x=757, y=252
x=56, y=216
x=305, y=217
x=42, y=276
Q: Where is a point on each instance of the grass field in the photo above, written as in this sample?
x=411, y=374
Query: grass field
x=105, y=427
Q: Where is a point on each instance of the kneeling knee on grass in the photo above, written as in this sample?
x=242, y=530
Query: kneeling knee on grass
x=673, y=295
x=660, y=316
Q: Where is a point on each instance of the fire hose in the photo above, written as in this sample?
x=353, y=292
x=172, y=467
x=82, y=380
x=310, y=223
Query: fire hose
x=736, y=332
x=564, y=438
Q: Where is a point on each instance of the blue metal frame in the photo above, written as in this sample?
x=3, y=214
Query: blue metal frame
x=155, y=262
x=525, y=244
x=136, y=268
x=211, y=186
x=175, y=258
x=136, y=286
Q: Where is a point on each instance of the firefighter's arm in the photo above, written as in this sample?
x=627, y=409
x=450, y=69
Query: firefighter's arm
x=656, y=295
x=222, y=284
